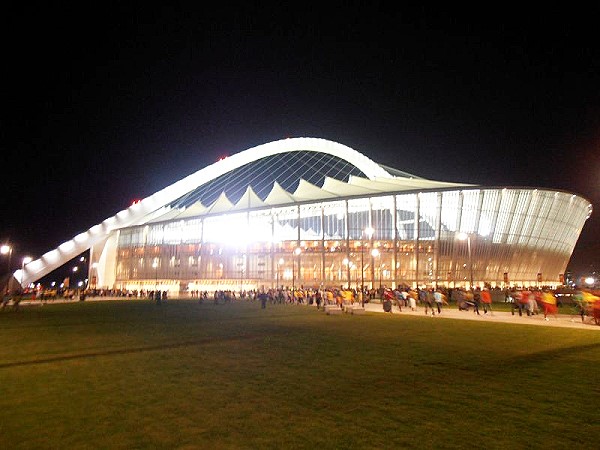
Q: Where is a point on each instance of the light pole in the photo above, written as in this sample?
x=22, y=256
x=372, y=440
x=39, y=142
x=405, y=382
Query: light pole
x=369, y=231
x=297, y=252
x=279, y=264
x=375, y=253
x=7, y=250
x=155, y=266
x=242, y=272
x=467, y=237
x=346, y=262
x=362, y=266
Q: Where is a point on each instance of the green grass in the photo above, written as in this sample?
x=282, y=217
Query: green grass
x=131, y=374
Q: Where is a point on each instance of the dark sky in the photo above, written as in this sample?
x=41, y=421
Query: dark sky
x=104, y=105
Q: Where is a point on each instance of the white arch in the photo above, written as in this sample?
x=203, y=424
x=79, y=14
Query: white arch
x=138, y=213
x=370, y=168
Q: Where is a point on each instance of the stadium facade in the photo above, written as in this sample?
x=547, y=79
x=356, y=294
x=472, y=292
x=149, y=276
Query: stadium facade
x=314, y=213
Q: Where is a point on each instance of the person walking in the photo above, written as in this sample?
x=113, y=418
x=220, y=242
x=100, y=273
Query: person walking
x=519, y=302
x=439, y=298
x=426, y=297
x=476, y=300
x=412, y=300
x=549, y=304
x=486, y=299
x=263, y=299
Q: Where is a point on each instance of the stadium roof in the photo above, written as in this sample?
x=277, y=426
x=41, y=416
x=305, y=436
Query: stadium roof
x=278, y=173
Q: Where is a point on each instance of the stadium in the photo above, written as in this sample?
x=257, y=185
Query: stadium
x=308, y=212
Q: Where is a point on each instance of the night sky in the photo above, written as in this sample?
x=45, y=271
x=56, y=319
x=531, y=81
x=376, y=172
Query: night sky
x=105, y=105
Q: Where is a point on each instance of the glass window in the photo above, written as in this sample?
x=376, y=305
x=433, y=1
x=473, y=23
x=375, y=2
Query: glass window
x=334, y=220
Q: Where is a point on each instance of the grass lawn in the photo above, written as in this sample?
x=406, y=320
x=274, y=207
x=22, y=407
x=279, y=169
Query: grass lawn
x=132, y=374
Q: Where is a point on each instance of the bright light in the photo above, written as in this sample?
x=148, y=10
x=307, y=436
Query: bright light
x=590, y=281
x=375, y=252
x=233, y=231
x=281, y=261
x=5, y=249
x=297, y=251
x=462, y=236
x=369, y=232
x=485, y=227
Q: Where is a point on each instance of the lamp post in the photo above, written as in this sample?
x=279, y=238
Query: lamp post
x=467, y=237
x=362, y=266
x=242, y=273
x=369, y=231
x=155, y=266
x=375, y=253
x=279, y=264
x=297, y=252
x=346, y=262
x=7, y=250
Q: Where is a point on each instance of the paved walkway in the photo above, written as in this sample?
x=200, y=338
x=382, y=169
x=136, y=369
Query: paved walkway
x=451, y=312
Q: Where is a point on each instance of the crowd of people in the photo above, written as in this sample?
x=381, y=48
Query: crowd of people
x=431, y=300
x=522, y=301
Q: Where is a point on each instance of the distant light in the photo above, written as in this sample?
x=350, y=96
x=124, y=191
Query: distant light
x=590, y=281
